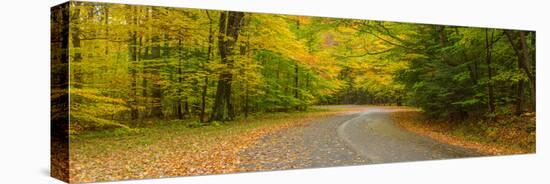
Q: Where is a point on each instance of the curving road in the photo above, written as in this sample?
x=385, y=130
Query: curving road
x=367, y=137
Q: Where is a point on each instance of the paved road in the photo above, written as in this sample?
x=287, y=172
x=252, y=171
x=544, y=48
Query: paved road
x=367, y=137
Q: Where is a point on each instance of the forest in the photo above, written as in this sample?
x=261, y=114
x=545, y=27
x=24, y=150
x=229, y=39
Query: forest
x=132, y=65
x=151, y=92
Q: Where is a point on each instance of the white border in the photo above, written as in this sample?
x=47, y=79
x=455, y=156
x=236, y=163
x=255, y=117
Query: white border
x=24, y=93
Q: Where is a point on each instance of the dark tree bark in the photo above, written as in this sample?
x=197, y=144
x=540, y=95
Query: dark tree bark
x=246, y=101
x=141, y=55
x=230, y=23
x=208, y=55
x=296, y=82
x=133, y=55
x=490, y=90
x=442, y=35
x=144, y=75
x=186, y=112
x=526, y=64
x=296, y=73
x=520, y=98
x=156, y=102
x=307, y=88
x=245, y=53
x=179, y=108
x=519, y=44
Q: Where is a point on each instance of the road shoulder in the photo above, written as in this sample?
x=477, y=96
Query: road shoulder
x=414, y=121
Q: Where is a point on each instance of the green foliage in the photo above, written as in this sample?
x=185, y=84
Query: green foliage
x=456, y=78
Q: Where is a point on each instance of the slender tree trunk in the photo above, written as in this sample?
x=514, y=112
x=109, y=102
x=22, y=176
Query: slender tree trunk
x=307, y=88
x=203, y=99
x=443, y=42
x=134, y=59
x=296, y=72
x=246, y=101
x=142, y=56
x=179, y=109
x=144, y=73
x=156, y=101
x=296, y=82
x=490, y=91
x=186, y=112
x=519, y=98
x=247, y=52
x=145, y=93
x=208, y=55
x=148, y=101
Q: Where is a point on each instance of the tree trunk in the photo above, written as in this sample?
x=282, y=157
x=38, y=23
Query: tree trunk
x=306, y=88
x=132, y=46
x=519, y=98
x=156, y=101
x=179, y=109
x=490, y=91
x=246, y=101
x=442, y=42
x=208, y=54
x=296, y=72
x=186, y=112
x=527, y=67
x=145, y=93
x=203, y=99
x=522, y=52
x=230, y=23
x=296, y=83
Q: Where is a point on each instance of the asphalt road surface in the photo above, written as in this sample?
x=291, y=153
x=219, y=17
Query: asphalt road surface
x=366, y=137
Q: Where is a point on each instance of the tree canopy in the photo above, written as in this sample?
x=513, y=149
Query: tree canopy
x=130, y=64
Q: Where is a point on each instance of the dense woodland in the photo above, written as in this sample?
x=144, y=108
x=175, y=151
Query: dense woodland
x=136, y=64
